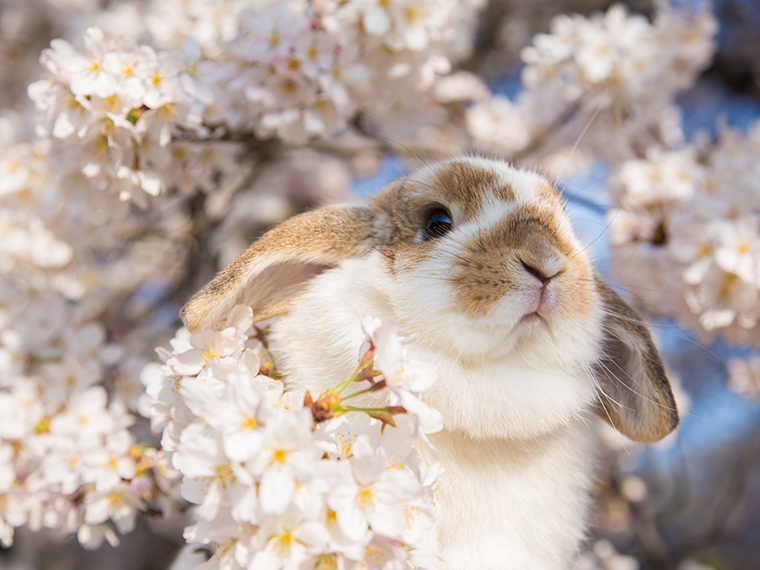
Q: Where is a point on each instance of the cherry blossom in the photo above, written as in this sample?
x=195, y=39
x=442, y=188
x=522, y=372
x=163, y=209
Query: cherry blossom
x=315, y=481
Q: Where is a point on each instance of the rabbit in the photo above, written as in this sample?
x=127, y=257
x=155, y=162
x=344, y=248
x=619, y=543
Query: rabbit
x=479, y=259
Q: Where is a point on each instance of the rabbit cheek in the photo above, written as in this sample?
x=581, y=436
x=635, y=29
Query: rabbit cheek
x=406, y=259
x=478, y=287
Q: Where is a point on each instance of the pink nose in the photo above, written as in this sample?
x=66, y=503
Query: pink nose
x=538, y=274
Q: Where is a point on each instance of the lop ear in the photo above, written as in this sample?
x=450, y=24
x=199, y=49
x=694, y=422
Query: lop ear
x=271, y=273
x=634, y=391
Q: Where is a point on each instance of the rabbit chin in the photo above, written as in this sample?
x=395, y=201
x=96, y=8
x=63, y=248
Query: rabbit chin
x=505, y=382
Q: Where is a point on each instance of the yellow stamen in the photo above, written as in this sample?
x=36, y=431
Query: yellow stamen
x=167, y=112
x=111, y=103
x=283, y=544
x=365, y=496
x=728, y=285
x=117, y=499
x=279, y=456
x=249, y=422
x=410, y=514
x=289, y=87
x=413, y=13
x=208, y=354
x=224, y=475
x=293, y=64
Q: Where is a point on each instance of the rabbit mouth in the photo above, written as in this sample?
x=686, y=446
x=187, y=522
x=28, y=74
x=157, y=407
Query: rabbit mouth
x=531, y=318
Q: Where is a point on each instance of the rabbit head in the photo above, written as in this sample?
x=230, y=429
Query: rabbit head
x=480, y=259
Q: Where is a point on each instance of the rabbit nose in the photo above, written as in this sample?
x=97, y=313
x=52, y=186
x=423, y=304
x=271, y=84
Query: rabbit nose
x=538, y=273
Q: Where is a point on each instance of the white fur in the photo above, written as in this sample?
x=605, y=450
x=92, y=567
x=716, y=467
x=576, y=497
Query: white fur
x=516, y=447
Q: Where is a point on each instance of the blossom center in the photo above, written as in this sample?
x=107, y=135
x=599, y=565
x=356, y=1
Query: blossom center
x=289, y=86
x=327, y=562
x=208, y=354
x=373, y=556
x=727, y=287
x=117, y=499
x=111, y=103
x=283, y=544
x=413, y=14
x=224, y=474
x=410, y=515
x=365, y=496
x=248, y=422
x=167, y=112
x=294, y=64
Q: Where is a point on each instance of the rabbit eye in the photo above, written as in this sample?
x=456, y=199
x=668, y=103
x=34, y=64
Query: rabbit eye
x=437, y=225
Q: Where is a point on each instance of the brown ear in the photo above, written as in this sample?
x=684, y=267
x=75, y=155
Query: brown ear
x=270, y=273
x=634, y=391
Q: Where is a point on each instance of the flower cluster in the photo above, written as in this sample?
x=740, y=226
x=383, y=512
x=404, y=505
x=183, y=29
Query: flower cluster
x=291, y=71
x=688, y=228
x=67, y=459
x=611, y=77
x=112, y=111
x=282, y=480
x=298, y=70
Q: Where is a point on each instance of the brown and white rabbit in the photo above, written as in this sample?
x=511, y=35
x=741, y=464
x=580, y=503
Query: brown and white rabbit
x=478, y=258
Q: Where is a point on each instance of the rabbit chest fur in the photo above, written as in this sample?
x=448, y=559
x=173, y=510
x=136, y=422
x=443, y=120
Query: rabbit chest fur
x=519, y=463
x=480, y=260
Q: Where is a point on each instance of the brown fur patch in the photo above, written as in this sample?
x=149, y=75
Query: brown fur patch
x=467, y=185
x=404, y=207
x=637, y=398
x=550, y=194
x=489, y=267
x=491, y=264
x=529, y=220
x=319, y=239
x=479, y=286
x=457, y=185
x=406, y=257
